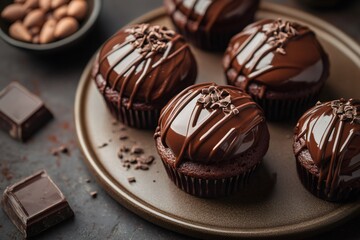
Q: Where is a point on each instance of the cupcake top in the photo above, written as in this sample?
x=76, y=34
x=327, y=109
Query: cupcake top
x=331, y=133
x=275, y=54
x=206, y=14
x=146, y=63
x=210, y=123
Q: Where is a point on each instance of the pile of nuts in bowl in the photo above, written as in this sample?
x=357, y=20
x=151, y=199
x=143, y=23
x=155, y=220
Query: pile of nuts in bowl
x=44, y=21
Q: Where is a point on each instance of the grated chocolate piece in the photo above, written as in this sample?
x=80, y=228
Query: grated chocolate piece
x=136, y=150
x=103, y=145
x=131, y=179
x=93, y=194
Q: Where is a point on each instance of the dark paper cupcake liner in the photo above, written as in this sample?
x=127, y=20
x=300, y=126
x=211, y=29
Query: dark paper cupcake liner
x=209, y=41
x=139, y=115
x=215, y=40
x=208, y=188
x=281, y=109
x=310, y=182
x=145, y=117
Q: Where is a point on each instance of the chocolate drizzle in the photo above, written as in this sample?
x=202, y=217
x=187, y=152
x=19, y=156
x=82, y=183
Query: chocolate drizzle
x=144, y=63
x=197, y=127
x=210, y=24
x=331, y=133
x=204, y=6
x=196, y=14
x=278, y=54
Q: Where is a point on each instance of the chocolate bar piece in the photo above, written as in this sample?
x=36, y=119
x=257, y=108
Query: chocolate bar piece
x=35, y=204
x=21, y=112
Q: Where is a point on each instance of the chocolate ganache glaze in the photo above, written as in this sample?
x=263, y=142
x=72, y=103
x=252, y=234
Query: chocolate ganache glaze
x=331, y=134
x=226, y=17
x=209, y=123
x=146, y=64
x=275, y=55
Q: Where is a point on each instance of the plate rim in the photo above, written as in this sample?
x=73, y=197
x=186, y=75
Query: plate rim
x=174, y=223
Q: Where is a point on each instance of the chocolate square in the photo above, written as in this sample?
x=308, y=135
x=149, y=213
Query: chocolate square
x=35, y=204
x=21, y=112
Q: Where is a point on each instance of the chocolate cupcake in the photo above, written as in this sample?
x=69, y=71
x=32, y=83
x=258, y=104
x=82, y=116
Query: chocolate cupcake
x=327, y=150
x=139, y=69
x=211, y=138
x=281, y=65
x=210, y=24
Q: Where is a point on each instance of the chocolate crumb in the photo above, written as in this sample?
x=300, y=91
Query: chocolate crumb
x=123, y=137
x=151, y=38
x=131, y=179
x=103, y=145
x=126, y=165
x=58, y=150
x=6, y=173
x=93, y=194
x=136, y=150
x=141, y=167
x=134, y=157
x=279, y=34
x=154, y=180
x=133, y=160
x=87, y=180
x=149, y=160
x=64, y=149
x=347, y=110
x=215, y=98
x=124, y=149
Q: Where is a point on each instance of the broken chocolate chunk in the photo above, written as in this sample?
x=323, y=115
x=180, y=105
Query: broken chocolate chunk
x=21, y=112
x=35, y=204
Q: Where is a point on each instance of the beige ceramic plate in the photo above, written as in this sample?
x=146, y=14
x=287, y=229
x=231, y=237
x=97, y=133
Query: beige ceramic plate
x=274, y=205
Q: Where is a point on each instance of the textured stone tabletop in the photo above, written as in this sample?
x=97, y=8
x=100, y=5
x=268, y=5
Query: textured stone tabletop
x=54, y=79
